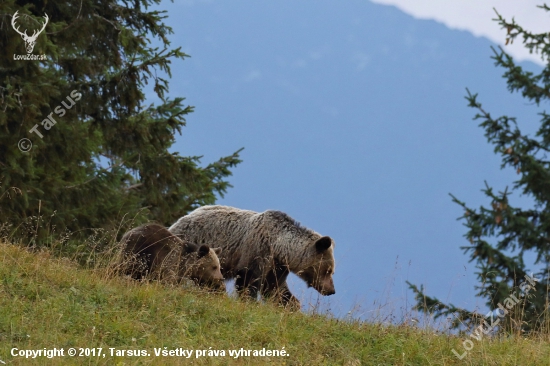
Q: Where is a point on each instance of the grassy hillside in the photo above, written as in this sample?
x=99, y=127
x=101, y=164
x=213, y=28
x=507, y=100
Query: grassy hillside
x=47, y=302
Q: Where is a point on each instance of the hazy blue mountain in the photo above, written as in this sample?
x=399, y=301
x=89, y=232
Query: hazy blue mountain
x=354, y=122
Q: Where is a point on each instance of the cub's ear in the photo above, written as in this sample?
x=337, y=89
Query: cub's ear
x=204, y=250
x=217, y=250
x=189, y=248
x=323, y=244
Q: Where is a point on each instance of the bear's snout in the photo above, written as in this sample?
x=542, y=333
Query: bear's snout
x=327, y=287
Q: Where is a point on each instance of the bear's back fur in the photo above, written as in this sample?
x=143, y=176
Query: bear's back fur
x=246, y=236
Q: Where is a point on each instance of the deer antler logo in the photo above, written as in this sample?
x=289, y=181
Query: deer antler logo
x=30, y=41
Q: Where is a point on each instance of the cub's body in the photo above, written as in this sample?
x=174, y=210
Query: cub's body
x=156, y=253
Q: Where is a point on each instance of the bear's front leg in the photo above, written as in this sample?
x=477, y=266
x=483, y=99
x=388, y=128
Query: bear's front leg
x=275, y=287
x=287, y=299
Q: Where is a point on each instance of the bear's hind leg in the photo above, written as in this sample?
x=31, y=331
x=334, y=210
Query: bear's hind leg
x=246, y=284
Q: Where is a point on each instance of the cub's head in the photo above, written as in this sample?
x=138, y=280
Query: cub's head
x=319, y=268
x=204, y=268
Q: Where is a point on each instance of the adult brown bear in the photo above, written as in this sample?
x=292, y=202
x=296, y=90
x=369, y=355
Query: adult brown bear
x=260, y=249
x=154, y=252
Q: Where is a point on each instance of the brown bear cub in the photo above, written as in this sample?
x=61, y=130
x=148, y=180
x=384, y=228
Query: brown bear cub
x=151, y=251
x=260, y=249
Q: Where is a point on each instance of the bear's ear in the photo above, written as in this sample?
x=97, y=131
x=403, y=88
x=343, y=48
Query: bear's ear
x=323, y=244
x=204, y=250
x=218, y=251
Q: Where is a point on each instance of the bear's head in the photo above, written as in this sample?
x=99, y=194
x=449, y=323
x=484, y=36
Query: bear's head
x=203, y=267
x=320, y=267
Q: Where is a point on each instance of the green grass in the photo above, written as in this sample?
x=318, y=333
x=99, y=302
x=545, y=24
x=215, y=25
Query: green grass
x=48, y=302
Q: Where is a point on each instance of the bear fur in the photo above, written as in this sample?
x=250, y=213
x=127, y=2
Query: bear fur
x=260, y=249
x=156, y=253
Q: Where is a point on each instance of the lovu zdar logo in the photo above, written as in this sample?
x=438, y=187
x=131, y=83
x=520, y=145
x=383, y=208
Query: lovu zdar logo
x=30, y=41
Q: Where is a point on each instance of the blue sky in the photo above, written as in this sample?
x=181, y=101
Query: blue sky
x=354, y=122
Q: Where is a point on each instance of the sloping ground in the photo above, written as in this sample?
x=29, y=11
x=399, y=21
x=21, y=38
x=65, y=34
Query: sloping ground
x=48, y=303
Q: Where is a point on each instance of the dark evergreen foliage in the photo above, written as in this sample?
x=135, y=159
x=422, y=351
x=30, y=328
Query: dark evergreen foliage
x=101, y=50
x=500, y=235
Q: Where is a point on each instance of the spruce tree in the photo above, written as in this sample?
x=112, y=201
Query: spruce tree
x=500, y=234
x=99, y=152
